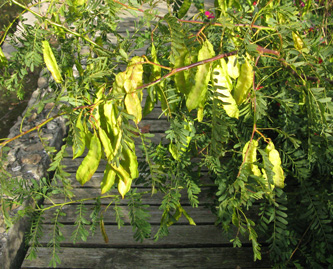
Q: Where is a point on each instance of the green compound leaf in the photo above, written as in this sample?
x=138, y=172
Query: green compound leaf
x=184, y=8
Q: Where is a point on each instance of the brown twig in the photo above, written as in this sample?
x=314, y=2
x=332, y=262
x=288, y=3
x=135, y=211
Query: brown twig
x=37, y=127
x=30, y=130
x=180, y=69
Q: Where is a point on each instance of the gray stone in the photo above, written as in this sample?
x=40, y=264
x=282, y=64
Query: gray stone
x=8, y=50
x=42, y=82
x=51, y=125
x=35, y=147
x=16, y=168
x=85, y=51
x=31, y=159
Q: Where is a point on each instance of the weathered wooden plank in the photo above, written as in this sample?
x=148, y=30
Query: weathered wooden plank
x=94, y=182
x=90, y=194
x=124, y=258
x=179, y=236
x=200, y=215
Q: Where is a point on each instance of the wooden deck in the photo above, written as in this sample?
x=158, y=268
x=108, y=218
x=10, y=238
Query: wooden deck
x=187, y=246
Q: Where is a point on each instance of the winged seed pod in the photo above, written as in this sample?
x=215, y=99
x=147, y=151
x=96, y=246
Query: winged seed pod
x=222, y=85
x=298, y=42
x=244, y=82
x=233, y=67
x=51, y=62
x=78, y=148
x=198, y=93
x=124, y=186
x=251, y=157
x=129, y=161
x=180, y=76
x=3, y=59
x=274, y=158
x=109, y=179
x=90, y=163
x=126, y=84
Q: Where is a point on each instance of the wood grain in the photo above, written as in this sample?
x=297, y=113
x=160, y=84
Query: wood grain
x=169, y=258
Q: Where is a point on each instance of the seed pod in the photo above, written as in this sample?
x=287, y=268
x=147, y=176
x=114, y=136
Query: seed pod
x=3, y=59
x=129, y=162
x=79, y=146
x=133, y=80
x=113, y=129
x=233, y=67
x=298, y=42
x=91, y=162
x=244, y=82
x=51, y=62
x=109, y=179
x=274, y=158
x=222, y=85
x=189, y=74
x=198, y=93
x=118, y=85
x=126, y=83
x=124, y=187
x=106, y=142
x=105, y=236
x=180, y=77
x=133, y=103
x=251, y=156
